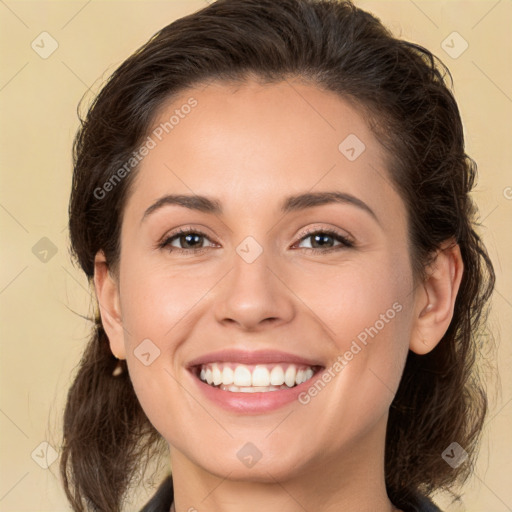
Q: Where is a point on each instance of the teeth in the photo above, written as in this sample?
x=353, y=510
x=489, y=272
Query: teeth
x=277, y=376
x=242, y=376
x=217, y=375
x=254, y=378
x=252, y=389
x=260, y=376
x=227, y=375
x=289, y=376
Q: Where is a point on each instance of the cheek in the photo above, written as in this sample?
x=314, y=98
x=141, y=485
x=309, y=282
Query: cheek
x=370, y=345
x=366, y=312
x=156, y=308
x=155, y=299
x=359, y=297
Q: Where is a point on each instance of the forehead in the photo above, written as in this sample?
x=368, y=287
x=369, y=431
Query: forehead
x=250, y=144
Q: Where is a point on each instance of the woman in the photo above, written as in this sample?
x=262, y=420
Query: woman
x=272, y=202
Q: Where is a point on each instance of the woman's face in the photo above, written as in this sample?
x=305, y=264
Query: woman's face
x=253, y=288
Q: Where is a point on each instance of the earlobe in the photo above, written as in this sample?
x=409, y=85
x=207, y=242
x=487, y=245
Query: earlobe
x=435, y=299
x=107, y=294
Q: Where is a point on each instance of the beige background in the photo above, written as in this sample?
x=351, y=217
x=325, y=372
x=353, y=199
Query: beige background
x=42, y=335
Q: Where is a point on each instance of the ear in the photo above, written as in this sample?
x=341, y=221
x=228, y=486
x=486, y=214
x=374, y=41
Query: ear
x=107, y=293
x=435, y=298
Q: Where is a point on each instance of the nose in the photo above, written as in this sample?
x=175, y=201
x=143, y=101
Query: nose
x=254, y=296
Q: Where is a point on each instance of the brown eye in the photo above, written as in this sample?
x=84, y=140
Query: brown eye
x=185, y=241
x=325, y=240
x=190, y=241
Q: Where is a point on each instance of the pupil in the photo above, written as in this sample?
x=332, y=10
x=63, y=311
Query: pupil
x=189, y=237
x=321, y=243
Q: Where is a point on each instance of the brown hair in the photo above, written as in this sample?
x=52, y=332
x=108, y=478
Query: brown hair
x=401, y=88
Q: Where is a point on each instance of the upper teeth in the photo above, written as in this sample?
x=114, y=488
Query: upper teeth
x=258, y=375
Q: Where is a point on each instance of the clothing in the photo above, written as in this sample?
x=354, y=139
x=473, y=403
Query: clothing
x=164, y=496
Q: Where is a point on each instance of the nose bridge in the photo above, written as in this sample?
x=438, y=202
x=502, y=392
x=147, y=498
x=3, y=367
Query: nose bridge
x=251, y=272
x=252, y=293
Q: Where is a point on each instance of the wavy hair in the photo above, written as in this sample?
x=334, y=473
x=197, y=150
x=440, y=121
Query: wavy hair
x=402, y=90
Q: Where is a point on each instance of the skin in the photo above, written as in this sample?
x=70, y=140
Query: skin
x=250, y=146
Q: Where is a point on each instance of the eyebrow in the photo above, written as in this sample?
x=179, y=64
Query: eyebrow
x=290, y=204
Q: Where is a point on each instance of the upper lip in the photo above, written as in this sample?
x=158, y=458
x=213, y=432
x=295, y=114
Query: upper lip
x=252, y=357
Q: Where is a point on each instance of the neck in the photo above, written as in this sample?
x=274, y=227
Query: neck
x=352, y=480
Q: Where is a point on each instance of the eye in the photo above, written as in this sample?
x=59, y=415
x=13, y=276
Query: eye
x=323, y=240
x=185, y=241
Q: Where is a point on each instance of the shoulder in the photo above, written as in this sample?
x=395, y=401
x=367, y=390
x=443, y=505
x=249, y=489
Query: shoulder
x=162, y=500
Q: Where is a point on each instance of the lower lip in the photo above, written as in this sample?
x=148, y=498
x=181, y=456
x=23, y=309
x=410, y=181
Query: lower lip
x=253, y=403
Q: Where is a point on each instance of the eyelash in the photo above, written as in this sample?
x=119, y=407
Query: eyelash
x=346, y=243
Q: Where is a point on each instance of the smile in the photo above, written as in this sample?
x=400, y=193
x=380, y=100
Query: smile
x=258, y=378
x=253, y=382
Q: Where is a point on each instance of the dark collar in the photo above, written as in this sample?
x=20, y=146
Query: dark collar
x=162, y=499
x=164, y=496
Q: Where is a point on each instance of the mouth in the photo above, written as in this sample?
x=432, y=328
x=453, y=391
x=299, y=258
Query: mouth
x=235, y=377
x=253, y=382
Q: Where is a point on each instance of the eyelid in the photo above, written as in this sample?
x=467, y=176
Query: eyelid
x=196, y=229
x=164, y=241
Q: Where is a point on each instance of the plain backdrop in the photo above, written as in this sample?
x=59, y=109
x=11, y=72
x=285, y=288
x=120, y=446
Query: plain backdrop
x=42, y=294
